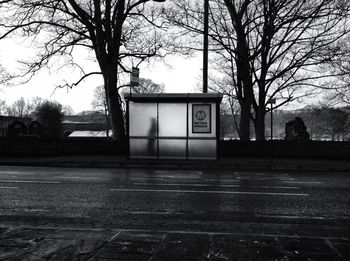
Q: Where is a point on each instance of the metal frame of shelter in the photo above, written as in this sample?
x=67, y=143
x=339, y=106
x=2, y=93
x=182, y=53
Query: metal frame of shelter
x=191, y=144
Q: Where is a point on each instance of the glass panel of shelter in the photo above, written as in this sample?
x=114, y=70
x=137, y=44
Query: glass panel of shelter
x=143, y=130
x=166, y=131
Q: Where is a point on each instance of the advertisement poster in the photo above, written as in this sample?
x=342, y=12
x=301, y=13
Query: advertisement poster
x=201, y=118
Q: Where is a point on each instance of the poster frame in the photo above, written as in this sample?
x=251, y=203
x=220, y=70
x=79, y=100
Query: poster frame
x=194, y=105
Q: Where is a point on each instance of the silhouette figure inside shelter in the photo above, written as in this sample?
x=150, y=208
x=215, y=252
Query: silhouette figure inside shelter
x=152, y=138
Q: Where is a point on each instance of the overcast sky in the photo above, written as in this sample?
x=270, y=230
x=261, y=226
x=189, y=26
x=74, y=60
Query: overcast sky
x=179, y=74
x=183, y=75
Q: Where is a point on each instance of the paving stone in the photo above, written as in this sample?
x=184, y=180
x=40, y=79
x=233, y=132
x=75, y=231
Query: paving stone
x=308, y=249
x=189, y=247
x=225, y=247
x=131, y=246
x=343, y=248
x=42, y=244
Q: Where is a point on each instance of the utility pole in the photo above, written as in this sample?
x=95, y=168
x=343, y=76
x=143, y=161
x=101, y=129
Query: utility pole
x=272, y=101
x=205, y=46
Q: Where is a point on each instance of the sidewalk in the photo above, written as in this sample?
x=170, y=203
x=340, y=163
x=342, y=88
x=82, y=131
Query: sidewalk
x=22, y=243
x=237, y=163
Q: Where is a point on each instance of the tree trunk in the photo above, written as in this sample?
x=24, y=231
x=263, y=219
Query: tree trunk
x=244, y=122
x=114, y=106
x=244, y=81
x=259, y=125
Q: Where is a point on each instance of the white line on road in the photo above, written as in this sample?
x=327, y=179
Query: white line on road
x=210, y=192
x=303, y=182
x=211, y=185
x=185, y=232
x=222, y=180
x=148, y=178
x=8, y=187
x=169, y=177
x=183, y=184
x=295, y=217
x=154, y=212
x=81, y=178
x=186, y=172
x=254, y=178
x=29, y=181
x=268, y=187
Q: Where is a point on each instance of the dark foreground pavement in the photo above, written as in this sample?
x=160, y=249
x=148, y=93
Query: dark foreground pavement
x=43, y=243
x=273, y=210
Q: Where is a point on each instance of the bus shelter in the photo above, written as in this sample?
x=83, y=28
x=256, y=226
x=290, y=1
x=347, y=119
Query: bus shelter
x=173, y=126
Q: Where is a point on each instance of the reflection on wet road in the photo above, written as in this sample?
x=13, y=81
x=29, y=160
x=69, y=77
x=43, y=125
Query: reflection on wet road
x=254, y=203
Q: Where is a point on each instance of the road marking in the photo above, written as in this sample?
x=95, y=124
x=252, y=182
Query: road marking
x=222, y=180
x=210, y=192
x=177, y=177
x=163, y=177
x=29, y=181
x=183, y=184
x=8, y=187
x=211, y=185
x=185, y=232
x=81, y=178
x=295, y=217
x=271, y=187
x=303, y=182
x=253, y=178
x=287, y=179
x=154, y=212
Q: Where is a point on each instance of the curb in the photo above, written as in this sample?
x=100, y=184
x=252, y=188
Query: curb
x=217, y=165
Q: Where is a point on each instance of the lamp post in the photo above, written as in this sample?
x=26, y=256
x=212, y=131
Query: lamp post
x=271, y=101
x=205, y=46
x=205, y=43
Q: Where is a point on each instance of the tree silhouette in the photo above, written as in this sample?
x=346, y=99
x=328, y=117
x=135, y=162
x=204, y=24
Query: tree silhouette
x=50, y=116
x=148, y=86
x=118, y=32
x=267, y=48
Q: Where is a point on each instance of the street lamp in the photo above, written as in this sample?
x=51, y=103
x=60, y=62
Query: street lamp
x=205, y=43
x=271, y=101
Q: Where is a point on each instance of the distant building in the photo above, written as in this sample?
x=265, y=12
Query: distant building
x=83, y=126
x=9, y=121
x=35, y=129
x=78, y=134
x=73, y=126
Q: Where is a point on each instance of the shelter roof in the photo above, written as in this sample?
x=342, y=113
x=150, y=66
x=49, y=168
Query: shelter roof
x=174, y=97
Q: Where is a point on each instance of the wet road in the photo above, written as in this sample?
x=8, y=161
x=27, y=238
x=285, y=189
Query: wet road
x=213, y=204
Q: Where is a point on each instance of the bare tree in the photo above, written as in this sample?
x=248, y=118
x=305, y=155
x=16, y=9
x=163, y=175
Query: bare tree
x=50, y=115
x=331, y=122
x=148, y=86
x=99, y=103
x=269, y=49
x=338, y=88
x=5, y=77
x=67, y=110
x=230, y=102
x=20, y=108
x=37, y=101
x=3, y=107
x=116, y=31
